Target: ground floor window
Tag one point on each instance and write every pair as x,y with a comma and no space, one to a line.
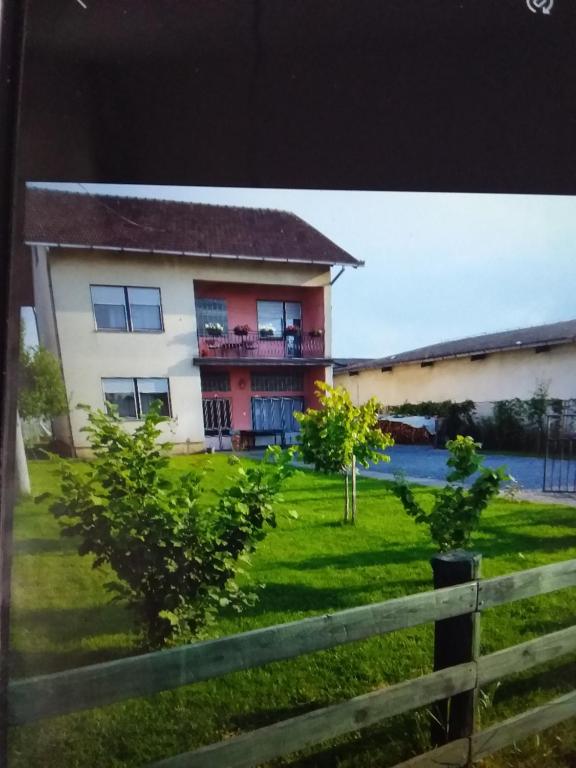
217,415
276,413
215,381
133,397
277,382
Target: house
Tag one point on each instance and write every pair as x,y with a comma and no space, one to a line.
486,368
221,313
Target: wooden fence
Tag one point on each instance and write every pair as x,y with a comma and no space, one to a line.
97,685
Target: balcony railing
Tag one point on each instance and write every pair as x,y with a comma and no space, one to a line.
306,344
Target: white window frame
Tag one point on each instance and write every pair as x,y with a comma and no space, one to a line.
136,390
127,312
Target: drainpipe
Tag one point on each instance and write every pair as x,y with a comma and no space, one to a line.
337,276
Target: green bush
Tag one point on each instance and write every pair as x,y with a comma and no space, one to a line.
456,511
176,563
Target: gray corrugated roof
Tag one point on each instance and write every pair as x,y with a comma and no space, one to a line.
344,362
535,336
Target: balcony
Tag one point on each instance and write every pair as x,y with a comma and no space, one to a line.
254,345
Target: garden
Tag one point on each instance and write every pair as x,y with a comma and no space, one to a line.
308,565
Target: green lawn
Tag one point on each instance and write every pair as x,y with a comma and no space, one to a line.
61,619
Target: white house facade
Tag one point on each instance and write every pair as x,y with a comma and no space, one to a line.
132,319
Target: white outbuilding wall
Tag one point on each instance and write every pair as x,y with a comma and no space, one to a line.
500,376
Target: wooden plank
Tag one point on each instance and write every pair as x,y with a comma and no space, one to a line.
287,736
526,655
451,755
100,684
536,581
520,727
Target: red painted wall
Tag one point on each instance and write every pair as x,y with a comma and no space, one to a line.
241,301
241,392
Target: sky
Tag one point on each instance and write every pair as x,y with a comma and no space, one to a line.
437,266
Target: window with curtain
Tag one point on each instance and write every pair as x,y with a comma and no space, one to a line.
144,305
109,304
124,308
133,397
150,390
122,394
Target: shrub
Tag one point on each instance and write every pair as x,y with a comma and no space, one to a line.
456,511
176,563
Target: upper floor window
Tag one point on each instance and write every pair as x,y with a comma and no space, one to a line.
123,308
133,397
211,314
274,317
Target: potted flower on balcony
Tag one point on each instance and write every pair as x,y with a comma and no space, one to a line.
316,333
266,331
242,330
213,329
292,330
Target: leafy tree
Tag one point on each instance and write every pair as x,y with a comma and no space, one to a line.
41,395
340,435
41,388
176,563
456,511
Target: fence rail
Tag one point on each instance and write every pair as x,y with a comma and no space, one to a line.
97,685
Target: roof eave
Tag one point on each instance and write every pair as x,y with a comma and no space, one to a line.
205,255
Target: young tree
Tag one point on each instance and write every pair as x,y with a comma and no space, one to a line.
41,388
41,395
175,561
341,435
456,511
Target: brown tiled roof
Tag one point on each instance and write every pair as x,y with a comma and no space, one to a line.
535,336
103,221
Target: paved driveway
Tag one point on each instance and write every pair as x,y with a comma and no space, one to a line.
420,461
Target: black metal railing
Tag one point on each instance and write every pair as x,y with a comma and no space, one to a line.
254,344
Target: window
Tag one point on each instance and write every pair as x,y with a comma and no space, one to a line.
145,314
133,397
217,415
121,308
215,381
275,316
277,382
109,308
211,311
121,393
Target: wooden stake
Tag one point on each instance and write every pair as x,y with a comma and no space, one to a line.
353,489
456,641
347,497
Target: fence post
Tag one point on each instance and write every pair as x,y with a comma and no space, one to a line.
456,641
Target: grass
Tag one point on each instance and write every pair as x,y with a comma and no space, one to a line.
61,619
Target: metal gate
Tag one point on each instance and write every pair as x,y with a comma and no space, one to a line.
217,414
560,456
